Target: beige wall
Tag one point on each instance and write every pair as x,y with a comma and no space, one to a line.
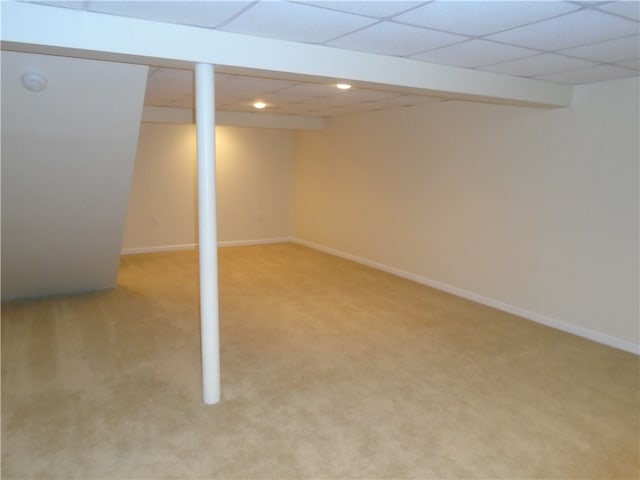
530,210
162,200
254,169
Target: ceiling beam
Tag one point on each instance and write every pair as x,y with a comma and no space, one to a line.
35,28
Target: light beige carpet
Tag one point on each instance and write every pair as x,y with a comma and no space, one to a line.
330,370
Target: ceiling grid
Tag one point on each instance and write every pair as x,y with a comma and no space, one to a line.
567,42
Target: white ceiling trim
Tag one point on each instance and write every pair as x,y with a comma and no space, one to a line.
43,29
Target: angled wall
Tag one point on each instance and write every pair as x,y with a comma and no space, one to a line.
67,158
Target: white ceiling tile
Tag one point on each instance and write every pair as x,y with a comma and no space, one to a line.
629,9
285,98
574,29
172,76
635,64
309,111
310,90
599,73
168,87
377,9
482,18
249,87
598,33
620,49
295,22
164,98
389,38
408,100
294,109
475,53
279,111
337,103
350,109
237,107
198,13
182,101
589,3
333,101
366,95
359,97
538,65
420,99
77,5
392,101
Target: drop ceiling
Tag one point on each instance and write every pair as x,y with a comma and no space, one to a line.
556,41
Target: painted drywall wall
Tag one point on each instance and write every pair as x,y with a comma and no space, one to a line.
535,210
254,183
162,205
254,180
67,158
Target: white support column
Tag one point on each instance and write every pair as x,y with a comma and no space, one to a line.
207,232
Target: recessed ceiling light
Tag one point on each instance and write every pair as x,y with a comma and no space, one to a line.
343,86
259,105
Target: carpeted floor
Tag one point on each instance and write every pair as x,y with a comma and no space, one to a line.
330,370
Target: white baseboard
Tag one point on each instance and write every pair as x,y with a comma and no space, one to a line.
191,246
527,314
261,241
161,248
